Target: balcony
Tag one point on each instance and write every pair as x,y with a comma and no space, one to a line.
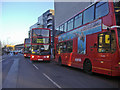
49,24
50,13
49,18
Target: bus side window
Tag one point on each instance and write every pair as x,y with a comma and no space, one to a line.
57,48
101,9
113,41
64,47
69,46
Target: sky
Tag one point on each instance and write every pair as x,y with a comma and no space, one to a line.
17,17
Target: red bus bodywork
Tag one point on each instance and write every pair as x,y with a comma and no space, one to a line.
42,57
103,63
27,55
27,52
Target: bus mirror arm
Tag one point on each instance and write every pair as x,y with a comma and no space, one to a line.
95,45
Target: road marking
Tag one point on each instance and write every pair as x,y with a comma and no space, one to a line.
51,80
2,60
11,79
35,66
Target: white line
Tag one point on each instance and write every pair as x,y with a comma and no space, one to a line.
2,60
35,66
51,80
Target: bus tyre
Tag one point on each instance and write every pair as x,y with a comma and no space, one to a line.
87,66
59,61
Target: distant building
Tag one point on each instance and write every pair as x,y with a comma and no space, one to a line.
10,47
40,22
7,49
33,26
19,47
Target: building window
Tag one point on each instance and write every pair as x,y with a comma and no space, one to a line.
51,33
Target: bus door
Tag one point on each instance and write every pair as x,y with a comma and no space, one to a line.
69,52
91,47
62,52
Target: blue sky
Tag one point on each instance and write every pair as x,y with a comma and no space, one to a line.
17,17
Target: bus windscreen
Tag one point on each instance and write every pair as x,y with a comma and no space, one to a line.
119,36
40,33
27,40
41,49
117,12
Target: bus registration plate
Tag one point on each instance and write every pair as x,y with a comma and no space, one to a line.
40,59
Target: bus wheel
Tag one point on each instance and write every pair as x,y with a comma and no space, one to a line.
59,61
87,66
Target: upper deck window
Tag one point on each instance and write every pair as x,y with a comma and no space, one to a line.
65,27
101,9
61,27
41,32
88,15
70,24
78,20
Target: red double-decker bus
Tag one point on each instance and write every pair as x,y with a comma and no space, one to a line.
40,44
92,39
27,46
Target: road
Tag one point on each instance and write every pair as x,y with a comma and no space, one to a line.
20,72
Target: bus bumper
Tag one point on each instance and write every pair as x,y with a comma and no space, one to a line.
40,57
116,70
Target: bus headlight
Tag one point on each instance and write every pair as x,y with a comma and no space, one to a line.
119,63
47,56
24,54
32,56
